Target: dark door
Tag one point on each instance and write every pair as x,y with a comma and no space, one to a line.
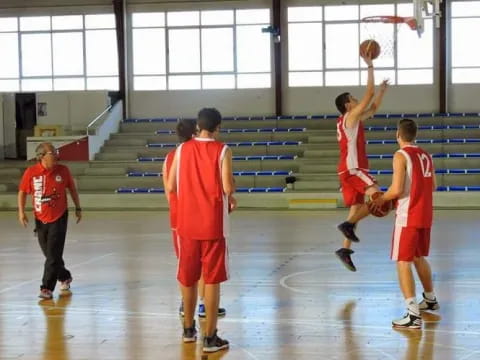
26,117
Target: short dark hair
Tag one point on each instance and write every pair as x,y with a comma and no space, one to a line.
186,128
209,119
341,101
407,130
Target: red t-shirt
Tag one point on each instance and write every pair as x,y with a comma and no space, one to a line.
172,197
48,190
415,205
202,212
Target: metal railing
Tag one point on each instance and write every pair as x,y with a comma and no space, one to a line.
98,118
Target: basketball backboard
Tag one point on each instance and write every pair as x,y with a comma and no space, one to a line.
422,9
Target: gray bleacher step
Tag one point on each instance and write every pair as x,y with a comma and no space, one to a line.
106,171
110,182
128,141
7,172
116,156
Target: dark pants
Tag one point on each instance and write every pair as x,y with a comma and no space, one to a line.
51,238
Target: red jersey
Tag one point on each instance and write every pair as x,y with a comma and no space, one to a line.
172,197
202,212
48,190
415,206
353,154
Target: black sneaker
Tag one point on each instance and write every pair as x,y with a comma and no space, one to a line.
348,230
344,255
427,304
214,343
202,312
190,334
409,321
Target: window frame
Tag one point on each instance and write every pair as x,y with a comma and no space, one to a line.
200,27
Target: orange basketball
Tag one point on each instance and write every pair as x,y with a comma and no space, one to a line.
383,210
370,47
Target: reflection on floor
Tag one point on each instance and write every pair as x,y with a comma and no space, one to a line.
288,297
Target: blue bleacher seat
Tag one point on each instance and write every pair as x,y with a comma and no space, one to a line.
235,173
236,158
125,190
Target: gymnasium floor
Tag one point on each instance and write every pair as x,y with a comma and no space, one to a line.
288,297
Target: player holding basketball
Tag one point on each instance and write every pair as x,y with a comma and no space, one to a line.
353,164
186,129
201,176
413,184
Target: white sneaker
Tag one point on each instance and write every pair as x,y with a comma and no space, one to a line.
65,285
409,321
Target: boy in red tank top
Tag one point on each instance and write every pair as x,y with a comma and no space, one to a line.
201,176
413,184
185,129
353,173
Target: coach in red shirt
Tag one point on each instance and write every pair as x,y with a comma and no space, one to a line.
47,182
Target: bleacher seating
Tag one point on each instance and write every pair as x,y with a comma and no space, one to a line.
267,149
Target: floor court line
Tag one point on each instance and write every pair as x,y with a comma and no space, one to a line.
4,290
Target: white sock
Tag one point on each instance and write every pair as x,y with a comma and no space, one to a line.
412,306
200,301
429,295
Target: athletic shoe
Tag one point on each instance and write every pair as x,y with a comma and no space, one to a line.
348,230
190,334
202,312
344,255
409,321
65,285
214,343
45,294
427,304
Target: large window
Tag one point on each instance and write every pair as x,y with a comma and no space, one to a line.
54,53
323,44
465,51
190,50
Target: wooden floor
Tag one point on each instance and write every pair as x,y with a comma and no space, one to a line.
288,297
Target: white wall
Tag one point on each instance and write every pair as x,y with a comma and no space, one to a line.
230,102
2,141
188,103
464,98
9,125
72,109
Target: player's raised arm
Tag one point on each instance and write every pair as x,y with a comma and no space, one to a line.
355,114
373,108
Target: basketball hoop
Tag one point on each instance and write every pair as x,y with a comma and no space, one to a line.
411,21
388,19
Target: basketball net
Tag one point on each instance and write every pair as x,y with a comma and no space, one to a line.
384,30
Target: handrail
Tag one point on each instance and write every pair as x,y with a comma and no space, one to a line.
98,118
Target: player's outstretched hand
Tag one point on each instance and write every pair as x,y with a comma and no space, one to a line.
384,85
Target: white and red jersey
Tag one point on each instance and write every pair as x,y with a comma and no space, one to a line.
172,197
415,205
353,154
202,207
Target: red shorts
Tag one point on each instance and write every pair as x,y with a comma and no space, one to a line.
354,183
207,257
175,240
409,242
